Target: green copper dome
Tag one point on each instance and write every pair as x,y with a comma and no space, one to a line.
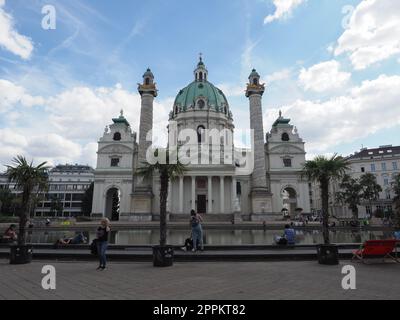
201,90
201,95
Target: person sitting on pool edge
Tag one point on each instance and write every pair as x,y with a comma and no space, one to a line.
78,239
10,235
288,238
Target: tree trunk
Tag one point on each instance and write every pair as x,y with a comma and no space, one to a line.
325,210
23,219
164,181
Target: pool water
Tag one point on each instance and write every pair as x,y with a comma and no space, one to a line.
215,237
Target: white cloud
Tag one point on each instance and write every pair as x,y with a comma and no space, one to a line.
278,76
232,90
324,76
344,119
11,95
373,33
284,9
10,39
72,122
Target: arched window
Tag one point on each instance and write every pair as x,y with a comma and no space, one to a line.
147,81
117,136
176,110
200,134
201,76
285,137
255,81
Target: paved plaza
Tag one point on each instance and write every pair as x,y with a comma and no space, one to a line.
199,281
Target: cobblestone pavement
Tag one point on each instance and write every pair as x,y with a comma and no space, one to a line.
199,281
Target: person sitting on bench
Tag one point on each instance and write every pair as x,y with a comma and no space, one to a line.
10,235
288,238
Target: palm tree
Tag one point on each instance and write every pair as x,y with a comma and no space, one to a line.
27,178
167,172
323,170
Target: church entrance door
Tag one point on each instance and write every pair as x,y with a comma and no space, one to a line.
201,204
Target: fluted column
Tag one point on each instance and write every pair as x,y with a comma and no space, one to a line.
193,193
234,191
222,192
181,194
209,194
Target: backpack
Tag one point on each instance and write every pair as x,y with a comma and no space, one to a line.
93,247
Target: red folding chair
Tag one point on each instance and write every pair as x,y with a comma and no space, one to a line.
376,249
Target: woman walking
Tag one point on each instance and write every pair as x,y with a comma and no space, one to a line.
102,242
197,230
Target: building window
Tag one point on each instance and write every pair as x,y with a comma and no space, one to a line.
368,210
373,168
362,169
117,136
385,181
255,81
394,165
287,163
285,137
238,188
200,134
201,104
383,166
147,81
114,162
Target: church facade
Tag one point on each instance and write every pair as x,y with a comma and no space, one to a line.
221,181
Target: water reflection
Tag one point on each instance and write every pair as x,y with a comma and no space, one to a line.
214,237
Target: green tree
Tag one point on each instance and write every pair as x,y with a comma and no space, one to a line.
167,171
354,191
396,200
28,178
323,170
56,206
370,186
6,202
87,201
350,194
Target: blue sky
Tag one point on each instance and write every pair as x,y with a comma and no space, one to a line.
334,72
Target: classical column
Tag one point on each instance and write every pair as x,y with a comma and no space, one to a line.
142,201
209,194
234,191
193,193
181,194
260,196
222,193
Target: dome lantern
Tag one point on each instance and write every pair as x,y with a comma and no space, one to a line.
201,73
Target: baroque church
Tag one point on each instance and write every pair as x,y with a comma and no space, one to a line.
257,185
